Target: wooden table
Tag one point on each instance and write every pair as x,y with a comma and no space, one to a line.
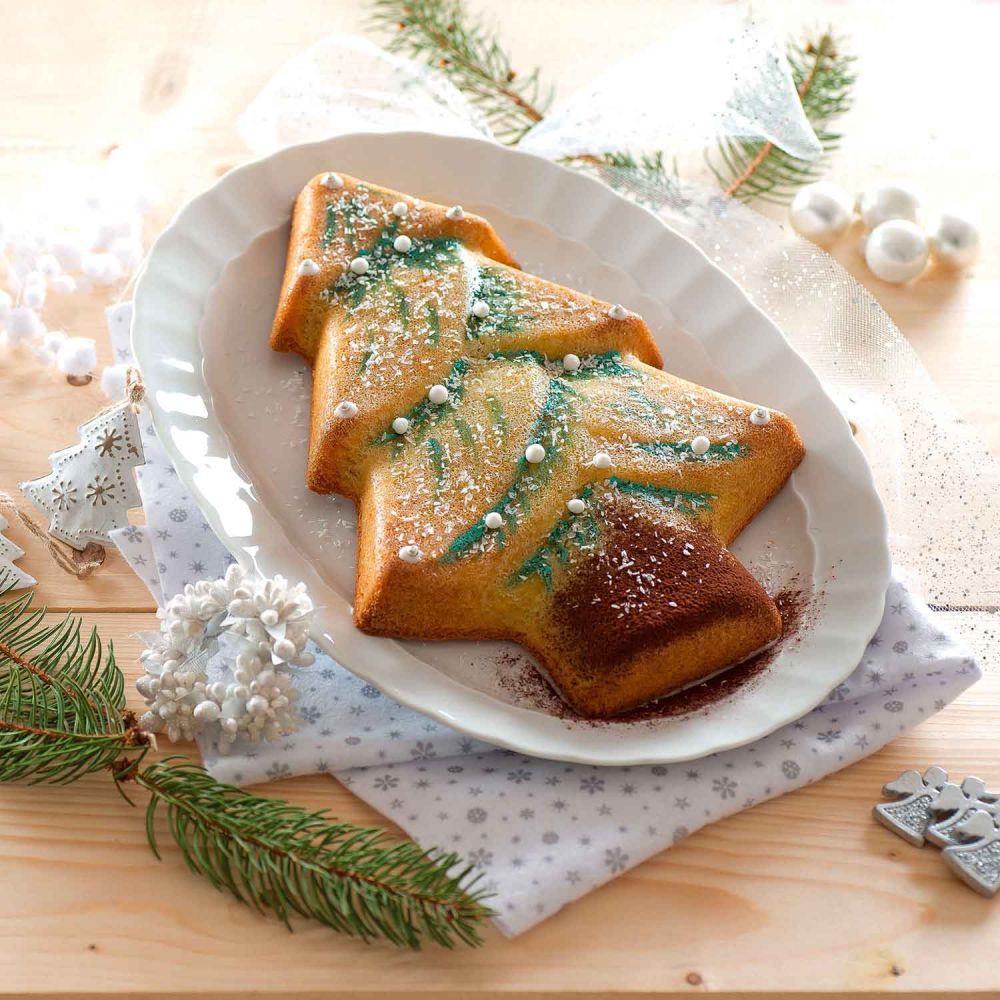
802,893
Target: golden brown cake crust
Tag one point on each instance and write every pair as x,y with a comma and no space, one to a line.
628,595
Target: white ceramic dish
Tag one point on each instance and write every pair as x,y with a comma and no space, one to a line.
232,416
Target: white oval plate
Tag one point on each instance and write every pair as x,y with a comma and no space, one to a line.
232,415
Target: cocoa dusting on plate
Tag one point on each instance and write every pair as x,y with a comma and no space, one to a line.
520,678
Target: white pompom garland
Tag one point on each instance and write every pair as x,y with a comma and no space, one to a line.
243,630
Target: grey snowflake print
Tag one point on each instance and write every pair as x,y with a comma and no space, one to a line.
829,736
894,706
616,859
900,647
679,834
519,776
476,815
310,714
279,769
480,857
386,781
370,691
790,769
178,514
591,784
725,787
550,837
423,751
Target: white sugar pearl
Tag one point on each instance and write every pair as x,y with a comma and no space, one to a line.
493,520
359,265
700,445
760,416
23,323
455,212
69,253
400,209
48,265
480,309
54,339
308,267
438,394
345,409
401,425
332,181
77,356
570,363
207,712
534,453
821,212
128,251
896,251
576,506
402,244
43,356
602,460
409,553
34,295
888,201
6,303
617,311
954,240
63,284
113,382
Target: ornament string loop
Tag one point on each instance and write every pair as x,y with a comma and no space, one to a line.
78,564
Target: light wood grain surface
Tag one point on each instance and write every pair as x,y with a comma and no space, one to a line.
802,894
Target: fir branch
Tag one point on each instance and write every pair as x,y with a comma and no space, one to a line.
751,168
63,715
444,35
272,855
62,701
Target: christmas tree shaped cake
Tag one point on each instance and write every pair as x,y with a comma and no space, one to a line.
523,468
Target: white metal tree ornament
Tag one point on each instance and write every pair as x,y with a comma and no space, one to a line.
11,577
91,486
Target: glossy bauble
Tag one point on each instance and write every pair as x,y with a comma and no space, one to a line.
896,251
821,212
888,201
954,240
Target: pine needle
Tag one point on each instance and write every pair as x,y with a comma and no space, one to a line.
442,34
752,168
276,856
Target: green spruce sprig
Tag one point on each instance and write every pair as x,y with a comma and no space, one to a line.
749,168
443,34
63,716
277,856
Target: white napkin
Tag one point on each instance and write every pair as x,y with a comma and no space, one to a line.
543,832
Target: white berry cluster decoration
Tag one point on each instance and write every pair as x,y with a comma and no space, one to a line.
83,229
896,245
223,657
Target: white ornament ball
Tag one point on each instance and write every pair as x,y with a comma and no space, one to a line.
402,244
77,356
480,309
23,324
113,381
576,506
700,445
438,394
570,363
534,453
359,265
954,240
401,425
821,212
602,460
888,201
493,520
896,251
345,409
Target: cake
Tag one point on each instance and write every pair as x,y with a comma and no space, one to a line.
522,465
